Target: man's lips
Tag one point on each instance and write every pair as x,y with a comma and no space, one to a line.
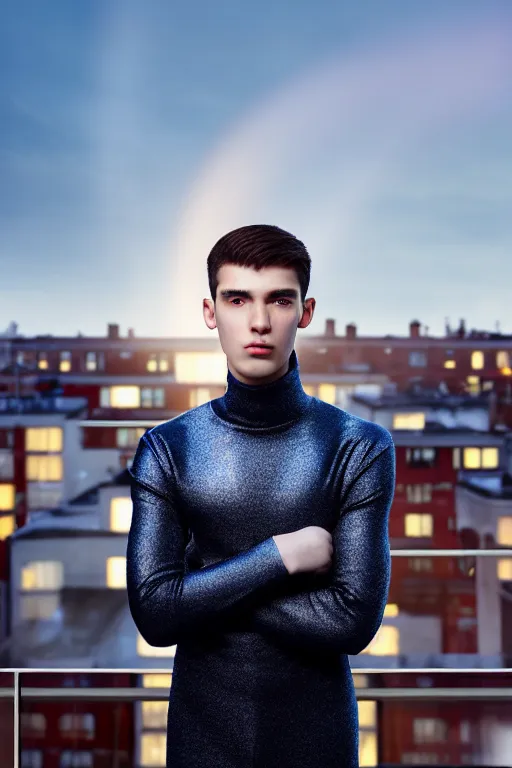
259,345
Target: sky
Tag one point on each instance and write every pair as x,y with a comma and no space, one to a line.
134,134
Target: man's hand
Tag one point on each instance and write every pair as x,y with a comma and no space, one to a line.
308,549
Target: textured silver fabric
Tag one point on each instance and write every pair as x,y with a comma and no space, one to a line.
261,676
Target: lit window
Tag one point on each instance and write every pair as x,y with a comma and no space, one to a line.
154,714
481,458
129,437
157,362
125,396
116,572
449,364
152,750
199,396
145,649
7,524
367,747
504,532
385,643
490,458
327,392
408,421
473,385
477,360
200,368
418,524
43,439
121,510
44,468
7,496
309,389
42,361
391,610
65,361
156,680
91,361
152,364
42,574
504,568
502,359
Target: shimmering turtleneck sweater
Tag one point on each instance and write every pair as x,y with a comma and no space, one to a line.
212,486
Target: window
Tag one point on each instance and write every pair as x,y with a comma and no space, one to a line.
157,362
386,642
156,680
116,572
200,367
456,458
417,359
121,510
39,607
7,496
420,493
327,392
43,439
6,465
7,526
91,361
421,457
503,359
152,397
477,360
145,649
408,421
42,574
199,396
154,714
65,361
391,610
129,437
481,458
429,730
504,568
152,749
450,364
367,717
31,758
418,524
76,758
121,396
419,564
77,725
44,468
33,724
42,361
504,532
473,385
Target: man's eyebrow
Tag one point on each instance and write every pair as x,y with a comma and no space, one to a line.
289,293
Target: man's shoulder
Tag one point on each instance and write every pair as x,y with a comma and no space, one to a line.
348,425
174,430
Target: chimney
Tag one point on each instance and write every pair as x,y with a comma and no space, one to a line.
414,329
351,330
131,333
330,327
113,331
461,330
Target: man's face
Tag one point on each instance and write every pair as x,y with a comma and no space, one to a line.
262,306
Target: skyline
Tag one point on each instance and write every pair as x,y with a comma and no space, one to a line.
401,120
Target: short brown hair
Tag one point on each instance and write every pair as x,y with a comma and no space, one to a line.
258,246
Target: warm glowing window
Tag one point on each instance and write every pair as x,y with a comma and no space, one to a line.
327,392
128,437
473,385
199,396
116,572
504,568
156,680
65,361
385,643
367,746
124,396
145,649
200,368
91,361
42,574
152,749
121,509
504,532
157,362
449,364
42,361
418,524
391,610
7,496
309,389
481,458
154,714
408,421
477,360
44,468
43,439
6,526
503,359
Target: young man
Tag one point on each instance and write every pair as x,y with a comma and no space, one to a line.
259,538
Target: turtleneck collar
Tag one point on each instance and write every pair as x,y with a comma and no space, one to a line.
275,404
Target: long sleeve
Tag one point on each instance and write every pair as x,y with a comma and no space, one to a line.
345,615
166,603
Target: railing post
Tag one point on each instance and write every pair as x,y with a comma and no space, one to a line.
17,719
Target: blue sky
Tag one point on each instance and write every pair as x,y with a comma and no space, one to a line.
133,135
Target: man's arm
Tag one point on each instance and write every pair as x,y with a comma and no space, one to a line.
345,615
166,604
